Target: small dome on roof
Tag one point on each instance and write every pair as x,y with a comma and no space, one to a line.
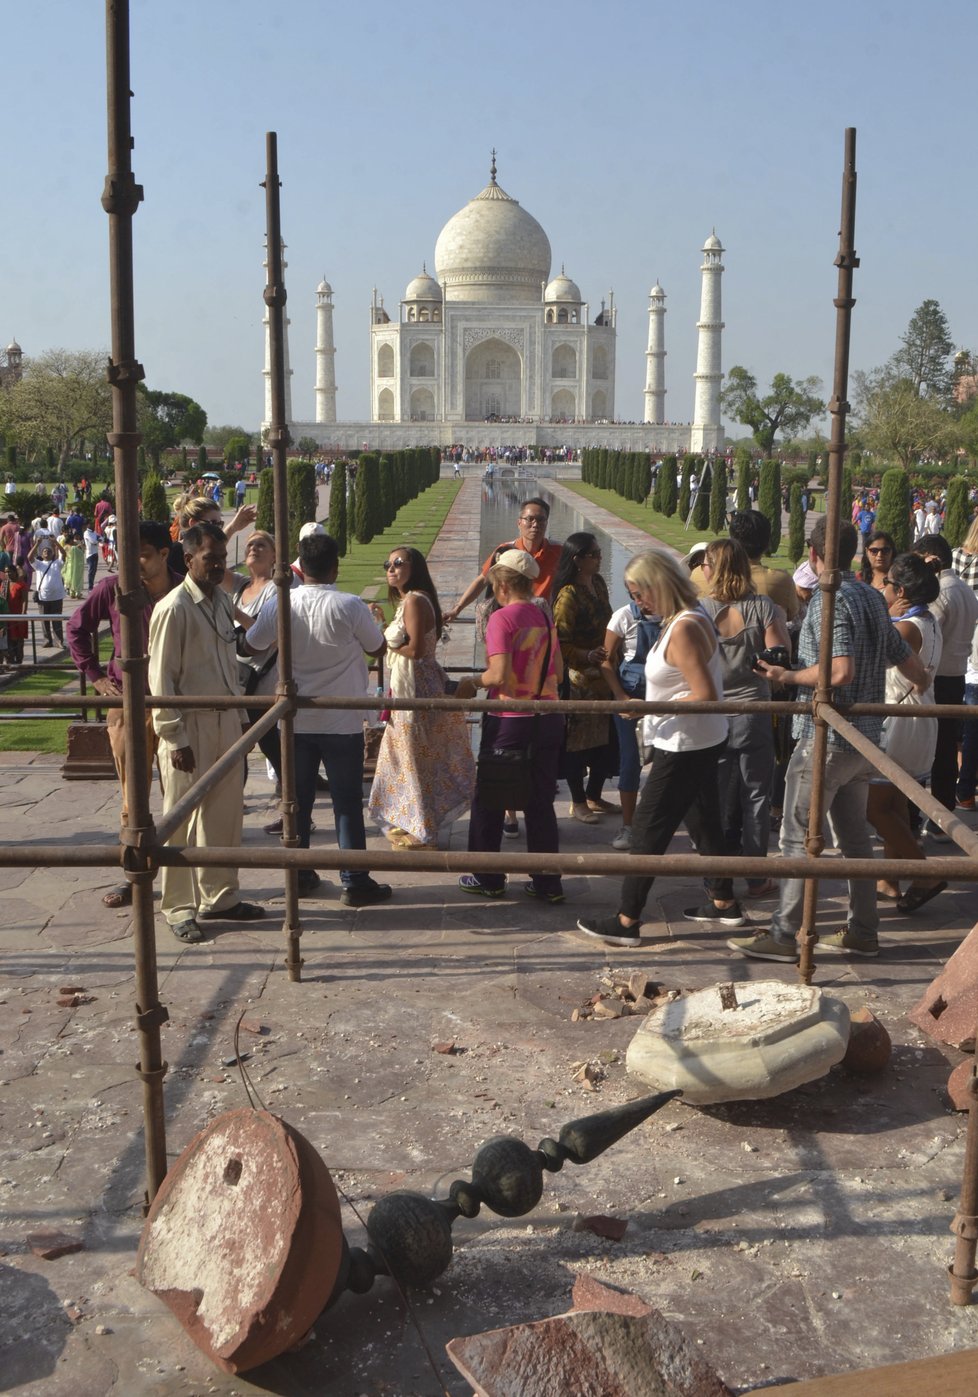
14,348
423,288
713,243
657,291
562,289
324,288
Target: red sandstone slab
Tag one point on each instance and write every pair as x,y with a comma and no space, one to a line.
50,1245
948,1008
590,1353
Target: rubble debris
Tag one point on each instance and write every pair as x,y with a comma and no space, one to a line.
49,1246
255,1026
946,1009
73,1000
611,1228
591,1294
959,1085
622,995
448,1049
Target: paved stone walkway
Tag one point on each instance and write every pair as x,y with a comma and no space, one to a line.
800,1236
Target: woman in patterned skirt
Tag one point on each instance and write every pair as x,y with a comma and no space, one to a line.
425,769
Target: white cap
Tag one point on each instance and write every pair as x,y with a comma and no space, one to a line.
695,555
308,530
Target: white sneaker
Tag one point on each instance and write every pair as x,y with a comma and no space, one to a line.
623,839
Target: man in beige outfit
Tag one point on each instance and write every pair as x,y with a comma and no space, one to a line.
192,651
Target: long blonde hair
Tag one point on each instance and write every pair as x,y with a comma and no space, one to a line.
660,574
731,580
970,544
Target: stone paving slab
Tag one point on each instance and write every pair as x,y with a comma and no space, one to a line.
795,1237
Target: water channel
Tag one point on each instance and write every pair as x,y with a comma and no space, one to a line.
501,502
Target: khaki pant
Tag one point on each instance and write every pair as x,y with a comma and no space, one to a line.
216,821
117,741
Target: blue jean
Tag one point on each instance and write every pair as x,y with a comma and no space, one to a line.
629,761
341,754
847,777
968,774
746,772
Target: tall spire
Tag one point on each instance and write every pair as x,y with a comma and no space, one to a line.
655,358
707,434
325,354
492,167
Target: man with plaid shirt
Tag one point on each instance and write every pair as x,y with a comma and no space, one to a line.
864,643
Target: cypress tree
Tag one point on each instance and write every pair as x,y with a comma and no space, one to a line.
769,500
957,511
796,525
201,459
893,511
718,495
743,463
657,489
265,518
153,498
183,457
387,508
11,458
644,477
337,525
669,490
141,458
684,488
701,509
366,511
301,477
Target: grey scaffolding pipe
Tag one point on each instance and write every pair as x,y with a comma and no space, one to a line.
142,849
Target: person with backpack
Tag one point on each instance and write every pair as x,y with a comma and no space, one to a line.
630,635
748,626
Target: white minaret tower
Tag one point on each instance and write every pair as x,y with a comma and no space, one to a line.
325,355
706,433
267,371
655,356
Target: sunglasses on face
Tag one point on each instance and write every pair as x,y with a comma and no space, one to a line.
393,563
528,519
873,552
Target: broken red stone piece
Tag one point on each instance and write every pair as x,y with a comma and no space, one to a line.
589,1351
254,1026
446,1048
72,989
612,1228
590,1294
243,1240
959,1085
869,1047
50,1245
946,1010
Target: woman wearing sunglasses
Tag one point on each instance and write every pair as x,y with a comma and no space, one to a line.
877,557
425,769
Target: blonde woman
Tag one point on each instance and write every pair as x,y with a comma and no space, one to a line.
964,560
683,666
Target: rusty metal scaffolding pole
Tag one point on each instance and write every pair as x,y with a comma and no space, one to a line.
278,440
120,199
964,1276
829,582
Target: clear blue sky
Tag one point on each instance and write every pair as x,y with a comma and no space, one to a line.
628,129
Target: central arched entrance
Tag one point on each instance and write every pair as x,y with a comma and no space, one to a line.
493,381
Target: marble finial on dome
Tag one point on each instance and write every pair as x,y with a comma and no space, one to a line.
492,167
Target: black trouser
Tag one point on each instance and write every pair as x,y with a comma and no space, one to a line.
53,608
270,746
681,786
948,688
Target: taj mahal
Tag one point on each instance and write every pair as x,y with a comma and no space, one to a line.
492,350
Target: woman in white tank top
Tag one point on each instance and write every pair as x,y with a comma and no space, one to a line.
684,665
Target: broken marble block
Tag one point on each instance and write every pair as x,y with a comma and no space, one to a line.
771,1038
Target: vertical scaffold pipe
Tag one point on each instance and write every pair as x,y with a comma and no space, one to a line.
278,440
846,261
120,199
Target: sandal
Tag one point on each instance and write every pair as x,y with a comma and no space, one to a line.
118,897
240,912
603,807
188,931
914,898
584,813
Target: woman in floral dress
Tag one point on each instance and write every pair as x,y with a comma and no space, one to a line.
425,769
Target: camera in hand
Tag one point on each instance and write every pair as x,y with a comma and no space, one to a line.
774,655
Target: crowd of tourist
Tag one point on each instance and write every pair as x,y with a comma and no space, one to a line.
719,623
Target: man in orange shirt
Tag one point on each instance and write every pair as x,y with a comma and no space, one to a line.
532,538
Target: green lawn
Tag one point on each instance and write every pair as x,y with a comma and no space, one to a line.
666,530
418,523
35,734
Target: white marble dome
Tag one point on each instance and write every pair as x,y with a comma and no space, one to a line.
563,289
713,243
324,289
493,251
423,288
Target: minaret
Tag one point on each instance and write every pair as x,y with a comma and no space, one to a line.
706,405
655,373
325,355
267,371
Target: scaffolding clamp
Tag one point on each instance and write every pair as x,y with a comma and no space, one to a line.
152,1018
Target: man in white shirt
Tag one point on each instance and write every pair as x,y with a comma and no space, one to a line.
192,651
91,554
331,630
956,610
